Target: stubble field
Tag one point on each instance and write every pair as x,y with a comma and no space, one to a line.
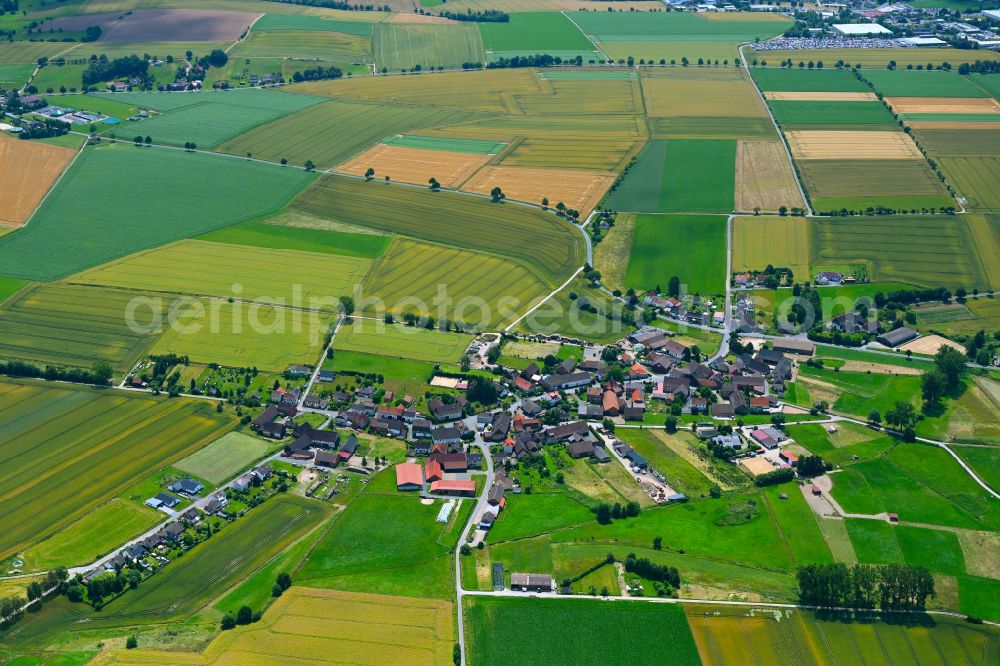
29,170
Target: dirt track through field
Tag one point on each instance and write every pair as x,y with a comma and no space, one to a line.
580,190
415,165
813,96
29,169
943,104
855,145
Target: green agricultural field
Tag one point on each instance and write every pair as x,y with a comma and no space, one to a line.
984,461
699,262
97,533
975,178
305,48
564,631
190,582
699,177
535,32
888,246
747,636
874,541
479,287
409,553
73,228
681,475
798,525
202,268
400,341
857,184
271,234
978,598
77,326
9,287
625,26
401,376
960,142
538,513
331,133
540,242
870,59
210,118
310,23
679,175
909,83
64,450
14,76
815,115
773,79
399,46
106,104
860,392
225,457
30,52
473,146
841,447
579,311
244,334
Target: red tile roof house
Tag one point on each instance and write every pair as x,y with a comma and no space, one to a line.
409,476
451,462
453,487
432,470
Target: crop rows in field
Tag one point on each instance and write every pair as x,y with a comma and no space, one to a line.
402,46
877,180
658,252
304,279
305,45
537,240
29,170
912,83
535,32
975,177
580,190
734,636
335,131
778,241
82,223
77,326
720,93
409,276
764,177
554,631
63,450
415,165
400,341
922,250
585,97
831,114
871,58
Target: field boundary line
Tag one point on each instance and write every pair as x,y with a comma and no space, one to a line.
52,187
539,304
586,36
246,35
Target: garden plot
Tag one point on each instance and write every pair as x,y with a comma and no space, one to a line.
580,190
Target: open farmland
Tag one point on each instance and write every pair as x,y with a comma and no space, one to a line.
738,636
66,449
202,268
562,631
472,91
868,58
764,177
816,96
944,105
301,45
699,262
192,581
536,32
977,178
195,25
713,93
398,340
537,240
244,334
797,80
851,145
333,132
795,114
15,75
910,83
580,190
642,27
414,165
904,185
699,176
778,241
225,457
210,118
400,46
478,288
118,192
76,326
587,96
290,231
344,23
29,170
564,313
353,626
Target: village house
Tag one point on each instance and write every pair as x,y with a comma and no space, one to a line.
409,476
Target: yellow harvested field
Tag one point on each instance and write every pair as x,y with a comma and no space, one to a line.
930,344
29,168
780,241
717,93
764,177
322,627
853,145
757,466
943,104
415,165
816,96
580,190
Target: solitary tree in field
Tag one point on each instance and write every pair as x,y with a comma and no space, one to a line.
149,140
369,173
497,195
138,140
435,185
545,203
387,180
249,155
283,161
309,165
